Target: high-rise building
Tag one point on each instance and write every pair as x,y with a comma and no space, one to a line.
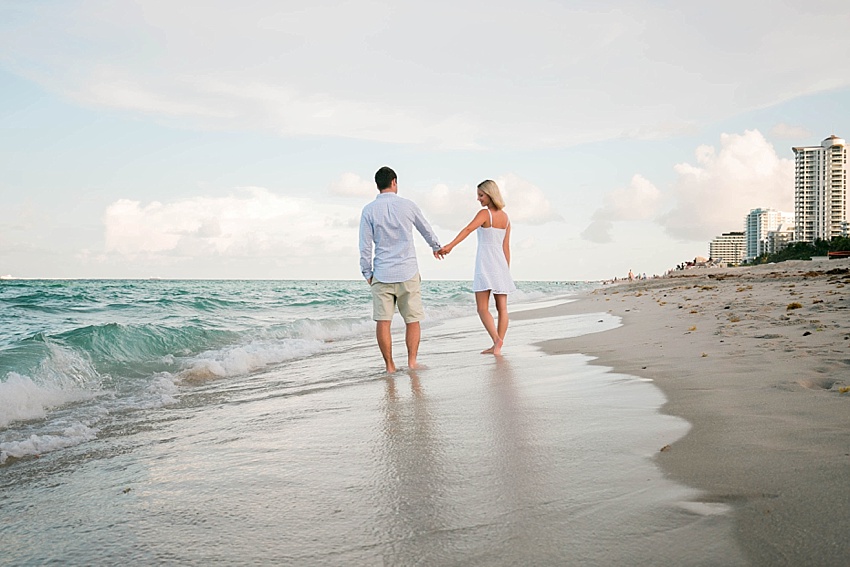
820,190
778,240
728,248
757,228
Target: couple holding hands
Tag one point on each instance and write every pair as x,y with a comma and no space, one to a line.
388,262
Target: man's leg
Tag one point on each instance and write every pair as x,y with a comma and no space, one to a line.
412,334
383,307
385,343
409,296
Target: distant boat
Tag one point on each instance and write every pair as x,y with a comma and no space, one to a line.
7,277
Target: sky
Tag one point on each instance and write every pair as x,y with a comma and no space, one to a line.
220,139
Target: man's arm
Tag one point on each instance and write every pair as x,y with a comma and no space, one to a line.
366,247
425,229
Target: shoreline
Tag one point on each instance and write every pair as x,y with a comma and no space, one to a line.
757,360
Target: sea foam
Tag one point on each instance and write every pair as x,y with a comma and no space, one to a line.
240,360
23,399
40,444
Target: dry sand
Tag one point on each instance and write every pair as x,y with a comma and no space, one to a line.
757,359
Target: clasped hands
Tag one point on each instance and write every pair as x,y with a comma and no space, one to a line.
441,253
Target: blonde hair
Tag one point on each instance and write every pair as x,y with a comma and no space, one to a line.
490,189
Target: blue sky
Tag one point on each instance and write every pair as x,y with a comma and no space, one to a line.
226,140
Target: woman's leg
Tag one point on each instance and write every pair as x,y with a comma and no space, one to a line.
482,302
501,300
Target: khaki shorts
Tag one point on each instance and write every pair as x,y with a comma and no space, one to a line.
407,295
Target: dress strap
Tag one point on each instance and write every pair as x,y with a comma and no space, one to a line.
489,212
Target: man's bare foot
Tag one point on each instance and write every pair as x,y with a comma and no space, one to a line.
391,368
495,349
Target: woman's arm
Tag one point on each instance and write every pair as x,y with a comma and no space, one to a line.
506,245
479,220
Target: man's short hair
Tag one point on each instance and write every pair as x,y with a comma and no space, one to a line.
384,178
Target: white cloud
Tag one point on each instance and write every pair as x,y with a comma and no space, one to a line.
525,202
352,185
638,201
368,70
286,234
707,198
454,207
599,230
254,222
788,132
449,207
237,103
715,195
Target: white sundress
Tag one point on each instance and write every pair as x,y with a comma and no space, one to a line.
491,267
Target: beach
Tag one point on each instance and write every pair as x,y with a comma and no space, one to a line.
251,423
757,359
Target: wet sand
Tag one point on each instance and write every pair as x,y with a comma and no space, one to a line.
758,361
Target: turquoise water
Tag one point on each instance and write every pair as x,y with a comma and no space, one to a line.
75,352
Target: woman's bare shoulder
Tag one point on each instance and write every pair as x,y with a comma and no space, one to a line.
481,217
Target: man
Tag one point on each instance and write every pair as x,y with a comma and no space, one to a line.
386,227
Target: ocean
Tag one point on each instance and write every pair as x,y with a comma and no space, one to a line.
250,422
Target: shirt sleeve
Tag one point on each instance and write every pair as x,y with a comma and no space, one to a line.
366,247
424,228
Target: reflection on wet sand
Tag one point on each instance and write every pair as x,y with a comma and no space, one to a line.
513,448
520,467
413,503
478,475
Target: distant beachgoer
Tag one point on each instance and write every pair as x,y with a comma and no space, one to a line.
492,261
631,276
388,262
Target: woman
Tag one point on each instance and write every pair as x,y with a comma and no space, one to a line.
492,261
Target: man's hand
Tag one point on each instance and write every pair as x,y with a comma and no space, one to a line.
369,281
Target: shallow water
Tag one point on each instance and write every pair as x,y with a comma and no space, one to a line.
322,459
74,353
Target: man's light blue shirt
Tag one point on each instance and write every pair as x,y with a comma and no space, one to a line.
386,227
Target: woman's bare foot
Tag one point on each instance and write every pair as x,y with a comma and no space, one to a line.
495,349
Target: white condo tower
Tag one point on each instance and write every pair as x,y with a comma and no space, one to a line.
820,190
